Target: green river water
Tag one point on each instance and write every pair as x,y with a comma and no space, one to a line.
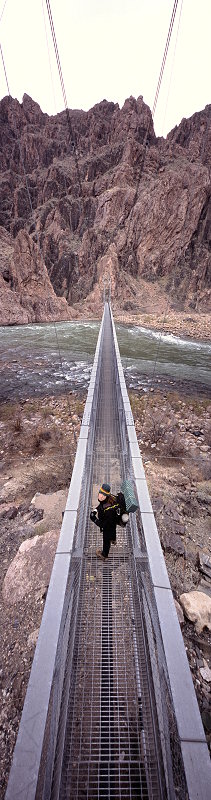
39,359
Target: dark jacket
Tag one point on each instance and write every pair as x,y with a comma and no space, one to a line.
105,517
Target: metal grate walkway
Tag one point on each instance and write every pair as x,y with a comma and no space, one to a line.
110,749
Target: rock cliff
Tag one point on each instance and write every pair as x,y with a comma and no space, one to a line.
139,211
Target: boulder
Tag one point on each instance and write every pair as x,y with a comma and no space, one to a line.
197,608
172,521
206,719
8,511
52,505
179,612
204,586
31,568
32,638
206,673
204,563
172,543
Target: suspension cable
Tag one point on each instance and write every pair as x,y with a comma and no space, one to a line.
172,67
4,68
71,133
49,58
17,137
149,121
164,56
122,225
3,9
155,360
36,234
130,212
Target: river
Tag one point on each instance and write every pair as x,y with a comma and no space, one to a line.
47,358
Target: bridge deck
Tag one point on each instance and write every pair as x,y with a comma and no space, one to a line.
107,752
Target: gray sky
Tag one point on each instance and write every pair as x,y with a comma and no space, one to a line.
109,49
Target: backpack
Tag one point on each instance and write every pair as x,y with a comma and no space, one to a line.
121,513
131,504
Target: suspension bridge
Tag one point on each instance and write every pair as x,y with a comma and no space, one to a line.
110,710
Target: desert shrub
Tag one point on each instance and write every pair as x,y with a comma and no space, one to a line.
174,400
154,426
46,411
18,424
40,434
137,405
8,411
174,444
45,435
207,437
36,441
78,408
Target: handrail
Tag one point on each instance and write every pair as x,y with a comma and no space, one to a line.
191,733
37,721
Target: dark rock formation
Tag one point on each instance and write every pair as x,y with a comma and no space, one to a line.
27,294
140,210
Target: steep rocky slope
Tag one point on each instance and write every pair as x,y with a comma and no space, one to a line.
138,213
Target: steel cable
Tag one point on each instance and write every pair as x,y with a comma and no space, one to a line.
122,225
172,67
49,59
37,239
164,56
153,114
71,134
3,9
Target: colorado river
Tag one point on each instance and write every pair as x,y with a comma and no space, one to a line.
40,359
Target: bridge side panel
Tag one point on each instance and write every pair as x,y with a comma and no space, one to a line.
31,772
178,676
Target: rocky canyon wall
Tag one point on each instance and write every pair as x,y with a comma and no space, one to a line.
141,210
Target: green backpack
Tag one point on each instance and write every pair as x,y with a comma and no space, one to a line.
130,500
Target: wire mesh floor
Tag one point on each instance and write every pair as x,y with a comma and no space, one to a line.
109,752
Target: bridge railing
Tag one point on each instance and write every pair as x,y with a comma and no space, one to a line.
33,759
185,753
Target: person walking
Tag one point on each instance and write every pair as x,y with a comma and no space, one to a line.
105,517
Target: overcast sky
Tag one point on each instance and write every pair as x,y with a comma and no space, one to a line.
108,49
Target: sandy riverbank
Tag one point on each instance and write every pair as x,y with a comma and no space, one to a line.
153,308
188,325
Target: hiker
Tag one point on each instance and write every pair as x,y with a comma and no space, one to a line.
105,517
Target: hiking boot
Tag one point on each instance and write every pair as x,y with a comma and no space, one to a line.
100,555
